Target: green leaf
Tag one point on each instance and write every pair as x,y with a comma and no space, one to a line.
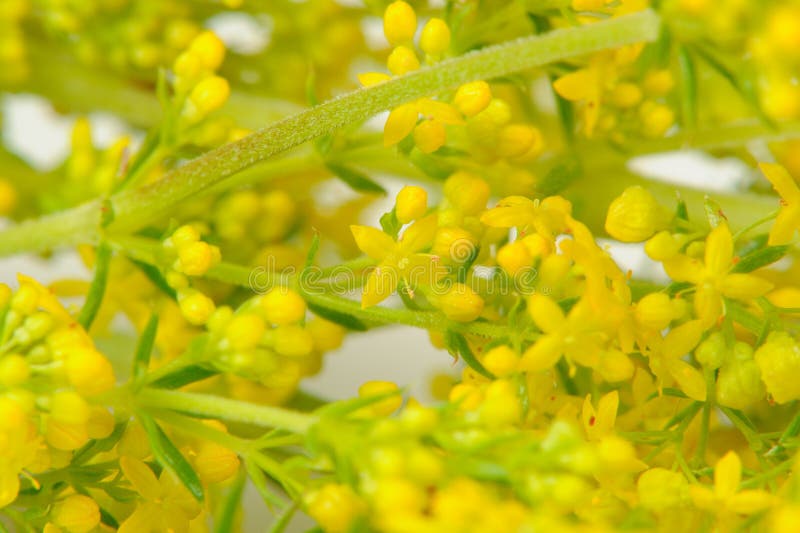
282,521
170,457
566,170
184,376
336,317
714,212
154,275
760,258
98,287
261,483
457,344
226,511
389,223
430,165
688,88
566,115
357,181
93,447
144,349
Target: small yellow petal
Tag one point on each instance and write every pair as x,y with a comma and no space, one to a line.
786,224
543,354
727,475
141,477
682,339
381,283
372,78
689,379
372,241
546,313
781,181
719,250
419,235
578,85
744,286
399,124
440,111
510,212
750,501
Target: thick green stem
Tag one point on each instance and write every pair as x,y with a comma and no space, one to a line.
132,209
206,405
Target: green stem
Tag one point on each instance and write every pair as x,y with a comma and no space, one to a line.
134,208
206,405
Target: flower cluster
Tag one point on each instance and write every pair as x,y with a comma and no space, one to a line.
623,351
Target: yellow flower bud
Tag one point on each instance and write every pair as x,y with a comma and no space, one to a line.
659,82
209,49
8,197
500,406
183,236
215,463
386,406
626,95
209,95
739,384
429,136
88,371
712,352
501,360
656,119
76,513
454,244
467,192
399,23
662,246
334,506
195,306
516,140
655,311
615,365
245,331
69,407
283,306
472,98
327,335
635,215
14,370
194,259
779,362
435,37
660,489
402,60
293,341
461,303
514,257
100,423
397,496
412,202
64,435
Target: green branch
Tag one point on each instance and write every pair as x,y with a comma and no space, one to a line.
132,209
209,406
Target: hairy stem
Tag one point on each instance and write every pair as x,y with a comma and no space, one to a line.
131,209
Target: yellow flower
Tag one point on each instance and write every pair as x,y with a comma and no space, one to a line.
713,277
402,120
635,216
600,423
779,362
165,503
573,336
726,496
547,217
788,220
399,260
665,359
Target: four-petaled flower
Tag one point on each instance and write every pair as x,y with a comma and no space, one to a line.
726,496
713,277
398,260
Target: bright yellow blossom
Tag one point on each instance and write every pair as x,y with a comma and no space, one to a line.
726,497
788,221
